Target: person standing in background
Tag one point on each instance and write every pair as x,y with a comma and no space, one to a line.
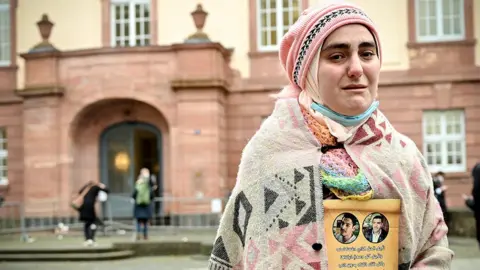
439,188
475,206
143,197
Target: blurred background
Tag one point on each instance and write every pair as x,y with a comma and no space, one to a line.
95,90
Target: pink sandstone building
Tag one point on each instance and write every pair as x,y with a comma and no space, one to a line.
181,109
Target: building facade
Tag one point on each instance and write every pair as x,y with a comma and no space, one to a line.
97,89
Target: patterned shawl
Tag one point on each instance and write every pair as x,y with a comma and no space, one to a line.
275,212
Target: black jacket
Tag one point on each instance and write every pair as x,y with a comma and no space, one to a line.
87,210
369,235
476,189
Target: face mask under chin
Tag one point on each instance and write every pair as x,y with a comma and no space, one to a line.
345,120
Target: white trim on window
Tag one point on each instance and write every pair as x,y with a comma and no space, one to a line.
437,20
5,42
444,145
133,22
282,24
3,157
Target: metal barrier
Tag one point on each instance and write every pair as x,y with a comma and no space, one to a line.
116,214
35,216
169,213
12,218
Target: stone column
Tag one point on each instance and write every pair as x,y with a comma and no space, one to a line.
201,84
41,127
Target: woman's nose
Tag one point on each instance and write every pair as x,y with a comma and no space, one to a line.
355,69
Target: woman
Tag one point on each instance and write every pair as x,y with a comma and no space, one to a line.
326,128
87,210
143,198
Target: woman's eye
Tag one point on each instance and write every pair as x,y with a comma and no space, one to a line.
368,54
336,57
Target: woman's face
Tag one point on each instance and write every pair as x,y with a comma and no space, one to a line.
348,70
144,172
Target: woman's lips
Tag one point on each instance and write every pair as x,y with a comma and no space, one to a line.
355,87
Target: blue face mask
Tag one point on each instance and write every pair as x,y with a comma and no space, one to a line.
345,120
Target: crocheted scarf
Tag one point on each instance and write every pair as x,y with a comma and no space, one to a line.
340,175
275,212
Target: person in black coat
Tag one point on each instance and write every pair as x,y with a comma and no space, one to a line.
87,210
472,201
439,189
476,198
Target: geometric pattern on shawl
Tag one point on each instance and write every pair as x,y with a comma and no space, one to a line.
407,178
290,244
268,222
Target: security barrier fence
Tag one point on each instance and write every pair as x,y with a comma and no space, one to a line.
115,215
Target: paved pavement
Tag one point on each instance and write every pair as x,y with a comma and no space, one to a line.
145,263
156,263
466,250
49,241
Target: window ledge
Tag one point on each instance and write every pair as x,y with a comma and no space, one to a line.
458,176
8,68
260,54
465,42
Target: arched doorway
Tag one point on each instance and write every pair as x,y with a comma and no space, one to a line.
125,148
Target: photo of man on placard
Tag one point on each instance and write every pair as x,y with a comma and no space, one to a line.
347,228
375,228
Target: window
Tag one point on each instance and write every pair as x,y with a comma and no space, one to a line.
3,157
274,18
439,20
444,140
5,33
130,21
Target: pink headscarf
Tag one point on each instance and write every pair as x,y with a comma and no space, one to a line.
302,43
300,52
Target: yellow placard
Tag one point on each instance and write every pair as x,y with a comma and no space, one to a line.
362,234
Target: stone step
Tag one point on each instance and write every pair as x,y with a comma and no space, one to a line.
84,256
53,250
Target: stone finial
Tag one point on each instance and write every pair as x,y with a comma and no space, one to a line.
199,16
45,28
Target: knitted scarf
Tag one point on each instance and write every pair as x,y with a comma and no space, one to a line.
341,177
275,212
